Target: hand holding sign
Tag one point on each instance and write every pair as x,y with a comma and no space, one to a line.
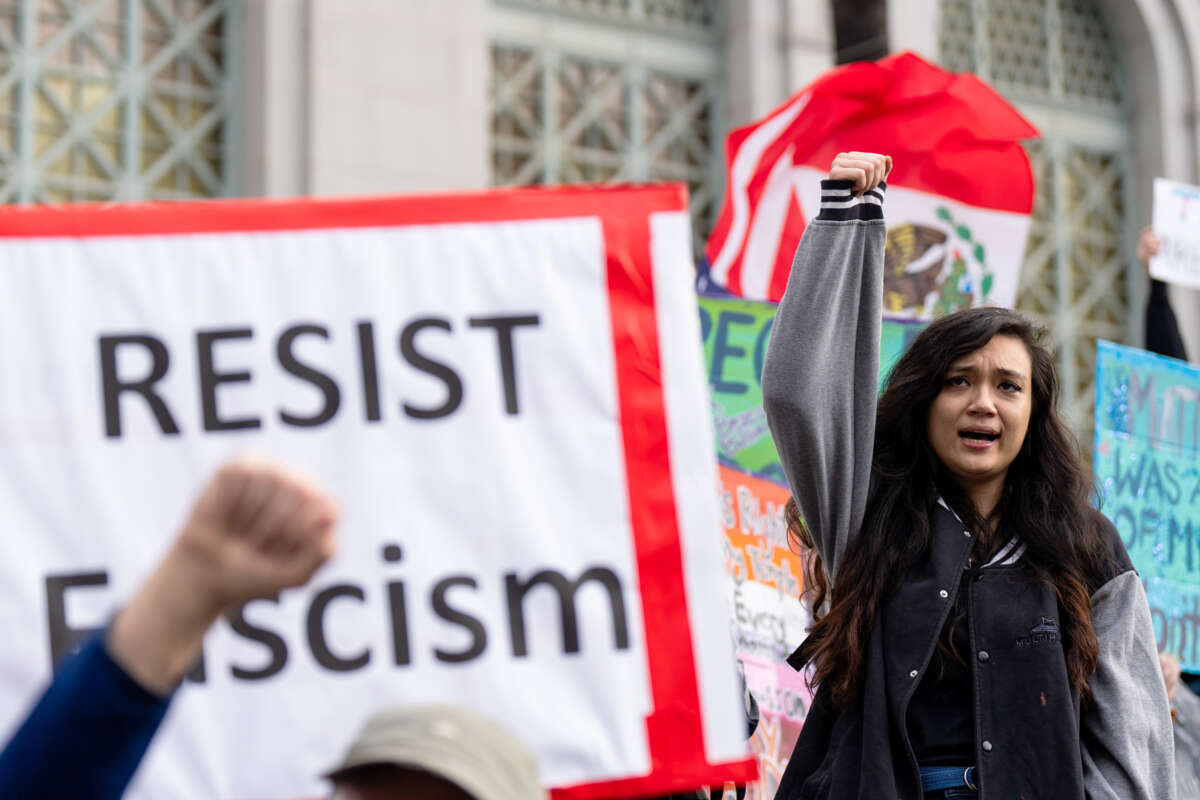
256,529
1148,245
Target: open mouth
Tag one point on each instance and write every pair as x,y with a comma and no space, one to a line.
979,437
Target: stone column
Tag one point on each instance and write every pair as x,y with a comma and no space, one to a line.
362,97
915,25
772,49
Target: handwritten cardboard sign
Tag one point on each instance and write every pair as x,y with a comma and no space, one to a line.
1147,458
735,333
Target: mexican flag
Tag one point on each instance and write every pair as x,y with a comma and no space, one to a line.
959,200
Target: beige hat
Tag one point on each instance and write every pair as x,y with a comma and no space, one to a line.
478,756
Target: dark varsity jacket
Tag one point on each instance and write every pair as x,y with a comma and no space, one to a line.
1032,737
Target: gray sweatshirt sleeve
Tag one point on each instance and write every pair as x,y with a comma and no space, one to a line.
1187,742
821,373
1125,736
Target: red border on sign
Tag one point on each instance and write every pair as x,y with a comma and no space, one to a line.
674,729
257,215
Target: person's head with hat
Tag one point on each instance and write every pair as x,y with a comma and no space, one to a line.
437,752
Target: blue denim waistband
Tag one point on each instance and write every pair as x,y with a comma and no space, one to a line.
934,778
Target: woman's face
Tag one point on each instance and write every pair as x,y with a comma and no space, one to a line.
977,423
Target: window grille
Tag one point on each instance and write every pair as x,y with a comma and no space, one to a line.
115,99
688,17
608,91
1055,61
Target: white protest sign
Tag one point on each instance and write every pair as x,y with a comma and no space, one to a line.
505,391
1177,223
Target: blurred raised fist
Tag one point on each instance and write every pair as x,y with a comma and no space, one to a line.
256,529
866,170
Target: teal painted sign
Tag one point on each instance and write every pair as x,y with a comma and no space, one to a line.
735,335
1147,458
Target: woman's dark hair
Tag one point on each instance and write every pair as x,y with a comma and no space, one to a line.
800,542
1045,501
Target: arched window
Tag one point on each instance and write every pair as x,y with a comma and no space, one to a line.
606,91
114,99
1055,60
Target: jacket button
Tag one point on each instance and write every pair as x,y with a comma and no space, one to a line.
912,674
967,534
943,594
987,746
983,655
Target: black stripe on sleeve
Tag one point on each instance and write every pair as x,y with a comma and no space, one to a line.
838,202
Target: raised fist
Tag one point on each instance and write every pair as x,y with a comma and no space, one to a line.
256,529
867,170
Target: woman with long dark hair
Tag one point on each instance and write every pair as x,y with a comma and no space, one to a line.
982,631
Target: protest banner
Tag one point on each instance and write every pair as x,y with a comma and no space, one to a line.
1176,221
1147,459
735,334
959,199
765,579
504,390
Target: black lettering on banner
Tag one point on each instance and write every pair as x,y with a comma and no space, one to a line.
63,637
504,327
315,626
516,590
370,372
274,643
293,366
401,653
210,379
112,386
454,385
458,617
197,674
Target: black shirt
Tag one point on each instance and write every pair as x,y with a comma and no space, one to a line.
940,719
